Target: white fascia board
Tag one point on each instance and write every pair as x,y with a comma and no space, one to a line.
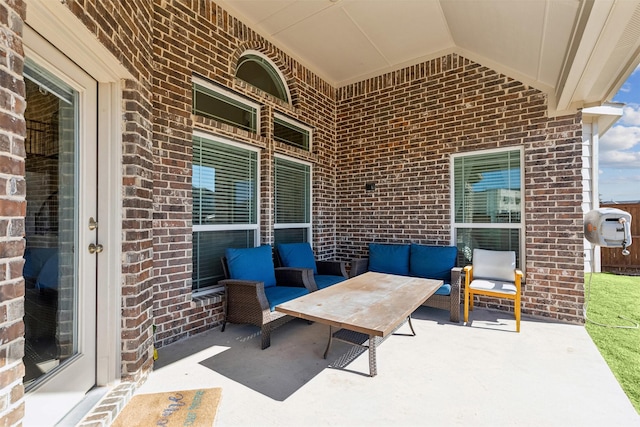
587,77
587,31
605,115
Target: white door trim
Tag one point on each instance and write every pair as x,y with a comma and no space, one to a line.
58,26
108,363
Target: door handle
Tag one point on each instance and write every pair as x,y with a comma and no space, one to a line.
93,224
95,249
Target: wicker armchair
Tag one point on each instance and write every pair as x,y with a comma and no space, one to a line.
421,261
253,301
300,255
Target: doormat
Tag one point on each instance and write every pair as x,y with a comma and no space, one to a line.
193,408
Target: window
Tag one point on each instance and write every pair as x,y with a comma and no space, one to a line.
259,71
488,208
291,132
224,106
292,201
225,204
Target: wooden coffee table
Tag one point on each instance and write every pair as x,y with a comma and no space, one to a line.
364,308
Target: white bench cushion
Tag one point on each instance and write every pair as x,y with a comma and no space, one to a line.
493,285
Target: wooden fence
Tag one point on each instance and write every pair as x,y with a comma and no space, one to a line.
611,259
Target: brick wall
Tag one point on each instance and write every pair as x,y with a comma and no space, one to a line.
399,131
201,38
13,211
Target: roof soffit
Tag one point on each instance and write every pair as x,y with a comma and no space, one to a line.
575,51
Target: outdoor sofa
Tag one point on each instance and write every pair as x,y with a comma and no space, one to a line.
426,261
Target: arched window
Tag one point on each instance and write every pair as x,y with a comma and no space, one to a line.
259,71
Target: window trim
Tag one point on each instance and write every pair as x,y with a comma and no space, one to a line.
247,102
294,123
287,225
230,227
517,226
283,81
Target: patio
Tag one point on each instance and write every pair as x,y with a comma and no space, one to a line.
387,101
549,374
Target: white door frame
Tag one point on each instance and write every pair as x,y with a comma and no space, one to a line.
69,381
54,22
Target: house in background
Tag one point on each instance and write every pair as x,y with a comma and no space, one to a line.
139,139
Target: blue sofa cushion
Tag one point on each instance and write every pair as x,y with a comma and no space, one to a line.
48,276
252,264
279,294
389,258
35,259
324,281
433,262
298,255
444,290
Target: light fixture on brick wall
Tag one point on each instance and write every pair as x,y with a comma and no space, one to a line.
370,186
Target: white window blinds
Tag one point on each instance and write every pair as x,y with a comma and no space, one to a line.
225,206
292,200
224,183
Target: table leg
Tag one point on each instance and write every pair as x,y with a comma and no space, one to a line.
373,368
411,326
329,343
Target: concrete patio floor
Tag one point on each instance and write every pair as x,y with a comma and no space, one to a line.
550,374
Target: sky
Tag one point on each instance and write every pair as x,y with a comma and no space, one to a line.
619,174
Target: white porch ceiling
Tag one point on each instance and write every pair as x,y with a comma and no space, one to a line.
579,52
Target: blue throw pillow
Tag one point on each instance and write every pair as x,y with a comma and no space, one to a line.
433,262
389,258
252,264
298,255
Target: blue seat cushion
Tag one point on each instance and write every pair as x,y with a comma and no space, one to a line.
252,264
443,290
298,255
433,262
389,258
35,259
279,294
324,281
48,276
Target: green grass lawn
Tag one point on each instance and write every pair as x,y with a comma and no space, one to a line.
613,296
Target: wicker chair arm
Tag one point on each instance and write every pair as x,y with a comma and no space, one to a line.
456,278
298,277
247,291
332,268
358,266
242,283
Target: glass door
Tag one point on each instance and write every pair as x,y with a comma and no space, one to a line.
60,255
